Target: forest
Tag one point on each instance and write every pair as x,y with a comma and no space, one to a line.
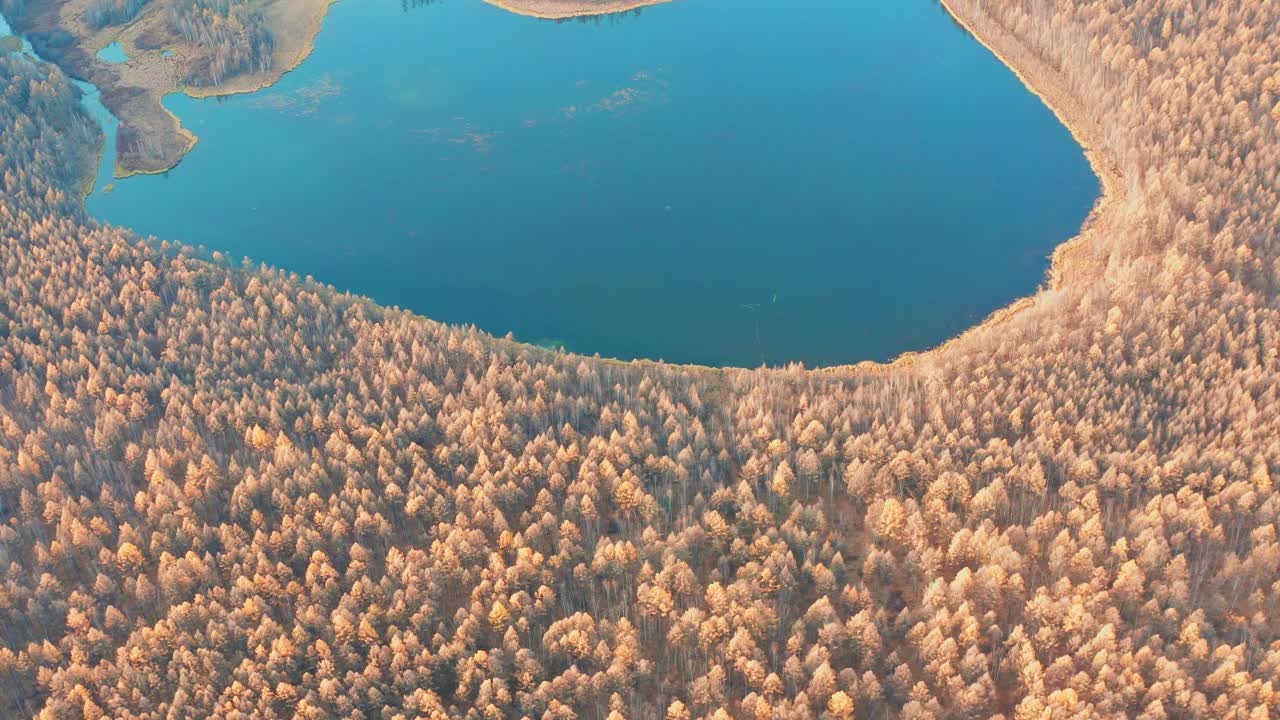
235,37
227,491
102,13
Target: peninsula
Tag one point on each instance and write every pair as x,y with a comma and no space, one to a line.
204,48
200,47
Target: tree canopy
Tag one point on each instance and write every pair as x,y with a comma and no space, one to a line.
230,492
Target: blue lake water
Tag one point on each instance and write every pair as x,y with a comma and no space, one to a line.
113,53
712,181
10,43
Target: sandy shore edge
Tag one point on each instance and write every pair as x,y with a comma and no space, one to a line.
119,171
1041,80
1068,257
315,23
245,85
577,11
250,84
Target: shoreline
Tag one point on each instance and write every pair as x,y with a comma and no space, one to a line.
576,10
1066,262
1041,81
1066,109
119,172
1048,85
315,24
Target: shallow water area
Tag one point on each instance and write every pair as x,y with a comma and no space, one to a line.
712,181
10,42
113,53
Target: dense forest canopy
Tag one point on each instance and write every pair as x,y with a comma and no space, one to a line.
230,492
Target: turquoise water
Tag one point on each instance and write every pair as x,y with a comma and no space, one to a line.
711,181
10,43
113,53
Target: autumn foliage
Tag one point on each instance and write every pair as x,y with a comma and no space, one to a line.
227,492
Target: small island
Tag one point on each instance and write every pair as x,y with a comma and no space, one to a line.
563,9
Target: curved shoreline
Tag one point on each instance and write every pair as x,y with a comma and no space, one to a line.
1048,85
1067,260
575,10
1045,83
119,172
1041,81
315,24
247,84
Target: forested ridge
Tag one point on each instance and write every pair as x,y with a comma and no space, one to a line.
230,492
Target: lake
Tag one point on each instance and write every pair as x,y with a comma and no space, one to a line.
113,53
727,182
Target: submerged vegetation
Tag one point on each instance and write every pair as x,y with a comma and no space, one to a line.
201,47
230,492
